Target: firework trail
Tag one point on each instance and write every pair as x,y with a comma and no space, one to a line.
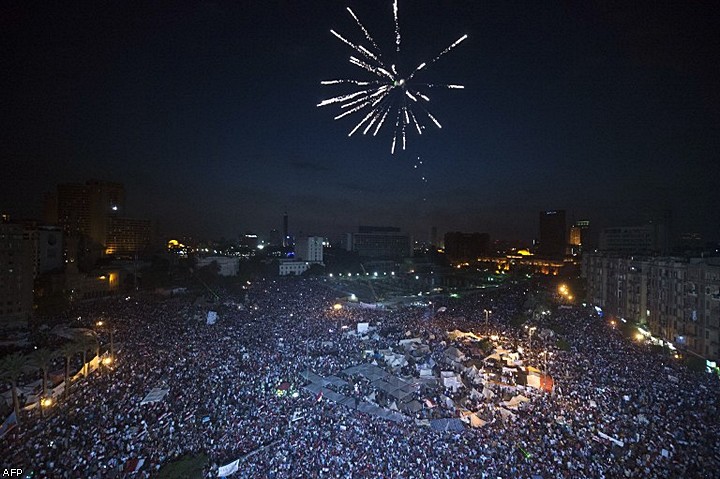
390,93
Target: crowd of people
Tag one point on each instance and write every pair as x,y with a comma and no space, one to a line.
618,409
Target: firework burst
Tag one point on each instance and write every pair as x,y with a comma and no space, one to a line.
389,95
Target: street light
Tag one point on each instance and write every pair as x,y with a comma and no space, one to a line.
44,403
487,312
111,331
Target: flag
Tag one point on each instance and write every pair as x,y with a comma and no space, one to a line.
228,469
8,424
319,397
525,453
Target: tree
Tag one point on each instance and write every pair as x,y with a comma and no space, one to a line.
11,367
42,359
68,350
315,269
85,342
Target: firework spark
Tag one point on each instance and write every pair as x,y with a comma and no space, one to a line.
390,93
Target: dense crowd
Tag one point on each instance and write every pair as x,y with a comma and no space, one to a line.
225,398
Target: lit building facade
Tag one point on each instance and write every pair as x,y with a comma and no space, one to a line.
127,236
289,267
311,249
678,299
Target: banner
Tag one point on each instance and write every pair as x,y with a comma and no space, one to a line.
611,439
8,424
228,469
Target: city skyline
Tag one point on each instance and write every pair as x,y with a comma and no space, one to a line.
206,113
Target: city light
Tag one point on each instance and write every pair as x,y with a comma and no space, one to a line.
337,306
107,361
46,402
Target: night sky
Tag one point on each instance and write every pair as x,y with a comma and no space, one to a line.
206,112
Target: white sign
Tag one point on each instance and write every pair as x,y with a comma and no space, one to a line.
611,439
228,469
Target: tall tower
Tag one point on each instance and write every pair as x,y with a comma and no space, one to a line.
286,238
553,241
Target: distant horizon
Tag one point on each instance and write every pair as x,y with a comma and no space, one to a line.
308,226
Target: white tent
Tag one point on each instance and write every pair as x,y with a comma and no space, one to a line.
455,354
506,414
451,380
471,418
516,401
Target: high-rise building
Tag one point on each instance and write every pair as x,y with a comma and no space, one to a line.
16,275
275,238
106,201
310,249
434,236
48,246
286,234
579,236
385,242
92,218
553,234
679,299
633,239
466,246
127,236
